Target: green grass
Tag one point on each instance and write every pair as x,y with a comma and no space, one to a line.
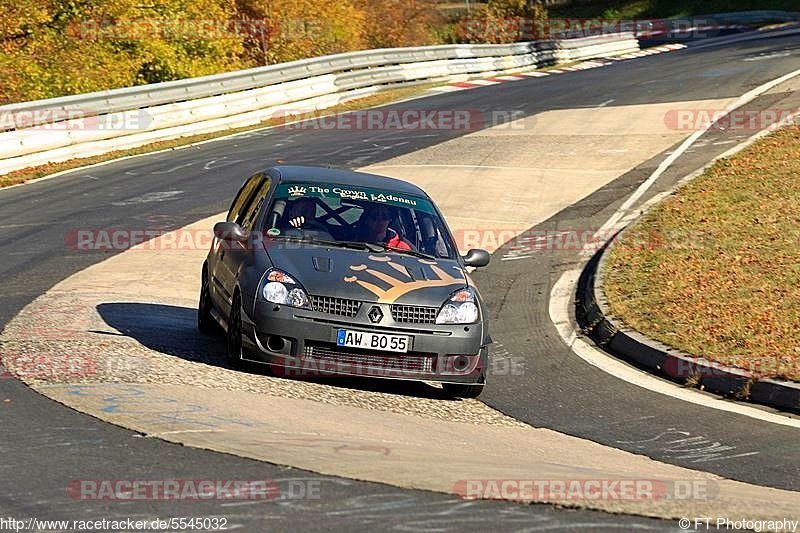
32,173
628,9
714,270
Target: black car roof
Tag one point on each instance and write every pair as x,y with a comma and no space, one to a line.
347,177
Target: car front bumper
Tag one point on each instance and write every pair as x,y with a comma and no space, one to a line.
302,343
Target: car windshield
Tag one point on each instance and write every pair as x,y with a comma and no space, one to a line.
346,215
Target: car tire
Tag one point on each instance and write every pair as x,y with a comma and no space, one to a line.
205,321
454,390
233,338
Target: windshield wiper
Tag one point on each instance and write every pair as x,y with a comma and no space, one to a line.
373,247
415,253
290,238
357,245
377,247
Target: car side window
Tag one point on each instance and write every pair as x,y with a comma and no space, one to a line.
433,236
243,199
249,217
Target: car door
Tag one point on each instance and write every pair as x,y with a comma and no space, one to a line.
222,281
237,253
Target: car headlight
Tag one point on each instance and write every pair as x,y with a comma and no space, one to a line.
460,308
281,288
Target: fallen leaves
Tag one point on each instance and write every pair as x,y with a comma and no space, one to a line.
735,298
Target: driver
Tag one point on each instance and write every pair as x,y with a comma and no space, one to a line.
302,212
375,228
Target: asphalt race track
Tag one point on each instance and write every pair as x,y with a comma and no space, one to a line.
45,445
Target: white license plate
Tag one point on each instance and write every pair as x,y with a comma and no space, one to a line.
373,341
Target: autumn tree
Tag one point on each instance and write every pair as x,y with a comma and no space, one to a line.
503,21
53,48
393,23
57,47
295,29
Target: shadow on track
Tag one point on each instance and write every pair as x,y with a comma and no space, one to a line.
172,330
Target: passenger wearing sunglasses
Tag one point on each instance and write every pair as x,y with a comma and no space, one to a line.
373,226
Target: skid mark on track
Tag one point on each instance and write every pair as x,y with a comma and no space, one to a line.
683,445
150,197
180,418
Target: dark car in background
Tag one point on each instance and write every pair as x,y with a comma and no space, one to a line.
322,272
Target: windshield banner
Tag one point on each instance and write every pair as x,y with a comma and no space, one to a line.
349,192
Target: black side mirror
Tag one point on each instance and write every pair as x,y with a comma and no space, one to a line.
229,232
477,258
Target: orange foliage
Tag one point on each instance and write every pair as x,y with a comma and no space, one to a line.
390,23
52,48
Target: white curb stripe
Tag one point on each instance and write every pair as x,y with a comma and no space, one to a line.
643,188
561,298
448,89
563,292
482,82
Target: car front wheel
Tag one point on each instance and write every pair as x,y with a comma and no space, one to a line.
234,335
205,322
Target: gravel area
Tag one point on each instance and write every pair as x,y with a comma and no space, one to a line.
74,337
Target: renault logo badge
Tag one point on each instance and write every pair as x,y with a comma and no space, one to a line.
375,315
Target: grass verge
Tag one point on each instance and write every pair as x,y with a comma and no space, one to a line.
714,270
32,173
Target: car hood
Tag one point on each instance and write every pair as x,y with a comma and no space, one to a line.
369,277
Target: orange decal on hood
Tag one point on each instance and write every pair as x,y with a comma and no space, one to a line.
397,286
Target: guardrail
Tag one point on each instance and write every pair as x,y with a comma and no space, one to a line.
59,129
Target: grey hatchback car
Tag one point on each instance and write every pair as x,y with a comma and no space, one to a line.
323,272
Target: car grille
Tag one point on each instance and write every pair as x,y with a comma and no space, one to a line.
355,361
414,314
335,306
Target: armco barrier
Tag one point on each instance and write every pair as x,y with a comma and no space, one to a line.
212,103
